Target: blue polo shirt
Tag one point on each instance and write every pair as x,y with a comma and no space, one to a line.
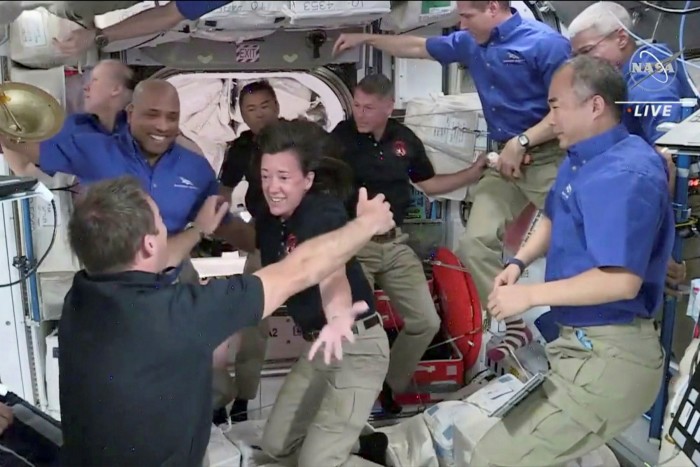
179,182
193,10
610,207
669,85
511,72
82,123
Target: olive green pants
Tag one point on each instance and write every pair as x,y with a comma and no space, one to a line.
321,409
248,358
497,202
395,267
589,397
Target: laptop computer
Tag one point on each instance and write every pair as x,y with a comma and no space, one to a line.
12,185
684,137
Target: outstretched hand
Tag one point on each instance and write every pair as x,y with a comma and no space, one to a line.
77,42
332,334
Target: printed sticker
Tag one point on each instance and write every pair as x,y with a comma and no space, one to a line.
248,53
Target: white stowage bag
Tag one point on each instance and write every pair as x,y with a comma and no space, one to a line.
412,15
31,40
446,434
9,11
240,21
206,114
309,14
453,130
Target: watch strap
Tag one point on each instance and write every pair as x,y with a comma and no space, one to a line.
192,226
517,262
100,39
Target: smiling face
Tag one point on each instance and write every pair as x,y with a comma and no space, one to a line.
154,117
284,182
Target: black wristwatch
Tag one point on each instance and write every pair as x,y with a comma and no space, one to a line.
523,140
517,262
101,39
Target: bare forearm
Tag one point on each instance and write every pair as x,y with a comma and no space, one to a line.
537,245
445,183
541,132
152,21
593,287
318,258
399,46
336,295
180,246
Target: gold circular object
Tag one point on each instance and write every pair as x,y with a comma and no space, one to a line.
28,113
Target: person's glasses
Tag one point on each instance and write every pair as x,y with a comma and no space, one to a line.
585,50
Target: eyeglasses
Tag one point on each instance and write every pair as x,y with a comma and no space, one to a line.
585,50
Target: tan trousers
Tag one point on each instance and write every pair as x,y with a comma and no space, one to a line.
497,202
248,356
395,267
588,398
321,409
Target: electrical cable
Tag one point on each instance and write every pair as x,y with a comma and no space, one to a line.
672,11
26,275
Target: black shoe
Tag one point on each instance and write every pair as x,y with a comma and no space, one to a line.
386,399
219,416
239,411
373,447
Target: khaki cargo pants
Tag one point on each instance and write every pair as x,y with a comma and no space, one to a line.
395,267
249,356
497,202
588,398
321,409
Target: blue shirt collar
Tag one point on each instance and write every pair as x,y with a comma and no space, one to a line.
120,122
503,30
587,149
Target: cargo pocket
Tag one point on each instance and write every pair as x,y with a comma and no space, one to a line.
353,388
556,432
364,365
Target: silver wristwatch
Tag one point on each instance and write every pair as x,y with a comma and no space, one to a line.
192,225
523,140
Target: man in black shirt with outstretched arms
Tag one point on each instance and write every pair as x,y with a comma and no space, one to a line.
135,358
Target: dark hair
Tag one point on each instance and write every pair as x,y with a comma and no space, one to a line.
376,85
593,76
108,224
316,150
256,87
482,5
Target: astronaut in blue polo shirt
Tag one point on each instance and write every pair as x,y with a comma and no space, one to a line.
105,96
152,21
178,180
607,233
598,31
511,60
